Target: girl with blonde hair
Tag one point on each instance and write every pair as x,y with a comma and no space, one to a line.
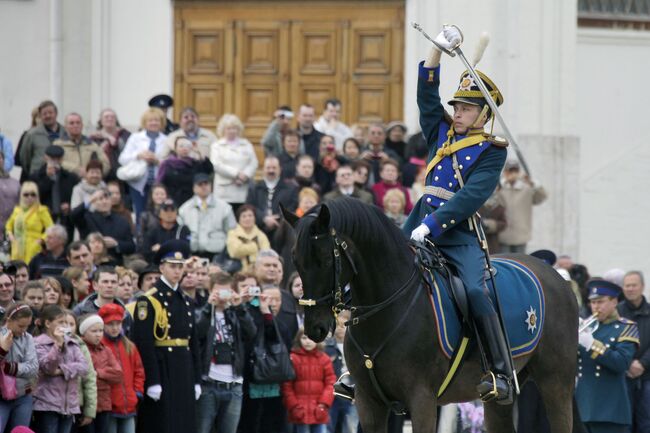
27,224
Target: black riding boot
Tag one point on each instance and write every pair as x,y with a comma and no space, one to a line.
344,387
496,384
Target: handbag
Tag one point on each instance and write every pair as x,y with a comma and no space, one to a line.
227,263
271,361
7,385
134,170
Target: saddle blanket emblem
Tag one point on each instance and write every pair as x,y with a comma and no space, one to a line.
522,304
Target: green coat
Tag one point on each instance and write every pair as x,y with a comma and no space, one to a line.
88,385
32,149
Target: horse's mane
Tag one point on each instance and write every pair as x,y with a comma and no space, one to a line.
365,224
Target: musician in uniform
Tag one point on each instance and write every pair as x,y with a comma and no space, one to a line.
163,330
604,356
464,167
164,102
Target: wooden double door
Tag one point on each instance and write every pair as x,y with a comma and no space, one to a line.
248,58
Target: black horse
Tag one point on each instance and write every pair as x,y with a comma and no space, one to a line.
346,241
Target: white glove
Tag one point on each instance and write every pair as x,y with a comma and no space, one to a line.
154,392
586,340
197,392
452,35
448,38
420,232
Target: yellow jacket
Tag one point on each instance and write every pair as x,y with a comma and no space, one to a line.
245,246
28,227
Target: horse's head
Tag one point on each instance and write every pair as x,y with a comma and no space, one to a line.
324,262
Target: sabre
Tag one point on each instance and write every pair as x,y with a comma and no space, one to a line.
486,94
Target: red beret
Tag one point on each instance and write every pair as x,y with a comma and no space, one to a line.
111,312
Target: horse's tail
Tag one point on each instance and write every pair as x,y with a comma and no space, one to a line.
578,426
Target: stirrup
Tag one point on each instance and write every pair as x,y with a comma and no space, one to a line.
504,397
342,389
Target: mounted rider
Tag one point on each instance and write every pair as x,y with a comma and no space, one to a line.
464,167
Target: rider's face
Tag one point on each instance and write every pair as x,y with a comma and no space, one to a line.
465,116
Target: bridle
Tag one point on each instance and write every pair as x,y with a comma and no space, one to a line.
339,247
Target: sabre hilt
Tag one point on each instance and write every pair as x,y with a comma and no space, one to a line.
449,51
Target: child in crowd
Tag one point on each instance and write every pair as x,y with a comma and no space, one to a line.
125,394
20,364
52,290
79,279
109,372
34,295
394,202
309,397
56,397
87,384
307,199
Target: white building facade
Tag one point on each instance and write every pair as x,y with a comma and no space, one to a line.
574,96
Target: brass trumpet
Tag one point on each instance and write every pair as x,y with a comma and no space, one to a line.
591,323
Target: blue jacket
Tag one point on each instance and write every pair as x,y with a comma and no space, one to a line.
480,166
8,152
601,391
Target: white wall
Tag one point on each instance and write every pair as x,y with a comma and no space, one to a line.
612,113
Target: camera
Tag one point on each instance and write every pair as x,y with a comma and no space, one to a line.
225,294
204,263
254,291
67,331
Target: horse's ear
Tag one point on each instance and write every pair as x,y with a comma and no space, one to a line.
323,219
289,216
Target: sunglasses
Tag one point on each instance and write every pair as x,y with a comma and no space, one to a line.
29,194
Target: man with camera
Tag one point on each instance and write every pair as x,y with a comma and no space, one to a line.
224,326
272,140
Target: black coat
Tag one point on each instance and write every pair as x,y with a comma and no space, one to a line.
158,235
641,316
45,264
179,180
243,331
312,143
67,181
111,225
176,369
258,195
288,165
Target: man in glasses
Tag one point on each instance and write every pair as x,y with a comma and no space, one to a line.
95,215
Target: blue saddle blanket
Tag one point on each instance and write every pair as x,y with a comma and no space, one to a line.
522,305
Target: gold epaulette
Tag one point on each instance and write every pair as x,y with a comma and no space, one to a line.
497,141
160,316
130,307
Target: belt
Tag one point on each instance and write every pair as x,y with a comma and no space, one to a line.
219,384
173,342
439,192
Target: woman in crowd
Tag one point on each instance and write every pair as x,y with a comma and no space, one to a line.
18,356
52,292
111,137
393,205
246,239
396,138
178,170
292,315
223,328
61,363
87,384
307,199
234,161
118,206
67,292
305,167
389,174
27,224
309,396
91,182
109,371
124,394
78,277
126,281
149,217
99,250
351,149
361,174
146,145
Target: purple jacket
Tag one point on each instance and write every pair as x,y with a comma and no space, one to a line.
58,393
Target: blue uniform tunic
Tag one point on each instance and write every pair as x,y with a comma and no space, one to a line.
447,219
601,391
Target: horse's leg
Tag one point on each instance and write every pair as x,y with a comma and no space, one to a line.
423,411
373,415
557,394
498,418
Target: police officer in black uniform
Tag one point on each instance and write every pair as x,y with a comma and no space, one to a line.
163,330
163,102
